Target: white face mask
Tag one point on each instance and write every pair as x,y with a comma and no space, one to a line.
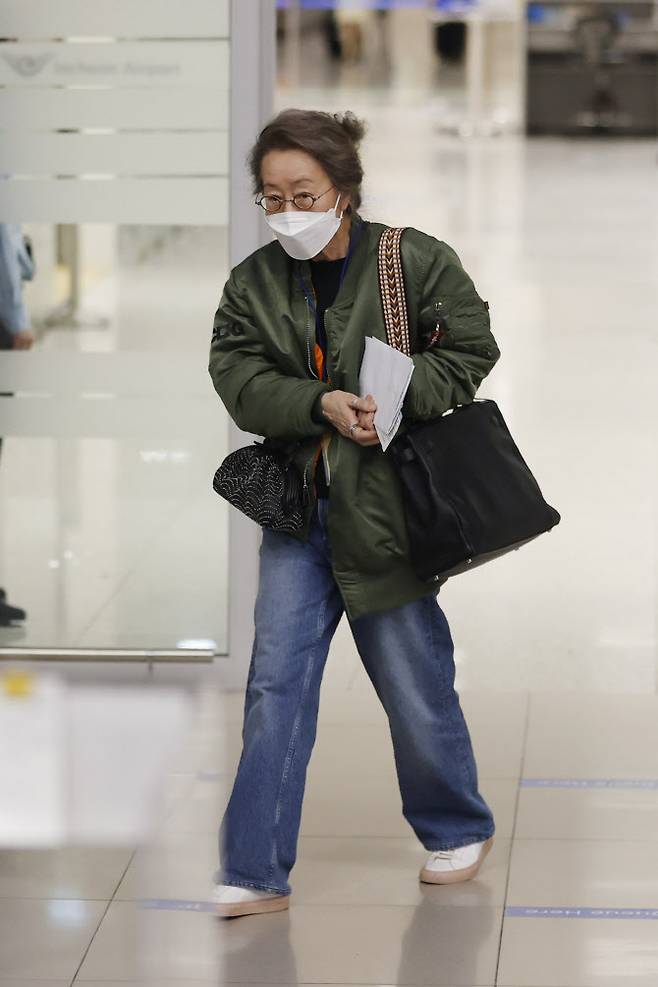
304,233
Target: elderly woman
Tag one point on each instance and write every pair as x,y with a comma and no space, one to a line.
288,339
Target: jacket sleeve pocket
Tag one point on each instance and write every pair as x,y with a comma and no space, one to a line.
454,325
258,396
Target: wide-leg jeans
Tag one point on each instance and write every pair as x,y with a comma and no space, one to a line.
407,653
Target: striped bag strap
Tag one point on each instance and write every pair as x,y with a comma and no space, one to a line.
391,287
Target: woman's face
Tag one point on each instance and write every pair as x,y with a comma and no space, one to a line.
286,173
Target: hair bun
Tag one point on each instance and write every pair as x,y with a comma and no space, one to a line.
352,125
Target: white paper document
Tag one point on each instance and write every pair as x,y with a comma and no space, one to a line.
385,373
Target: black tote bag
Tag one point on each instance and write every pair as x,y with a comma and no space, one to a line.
469,495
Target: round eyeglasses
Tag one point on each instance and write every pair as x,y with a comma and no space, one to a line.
303,200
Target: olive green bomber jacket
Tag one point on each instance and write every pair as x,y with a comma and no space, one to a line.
262,368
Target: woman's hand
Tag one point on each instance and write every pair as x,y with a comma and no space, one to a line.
344,409
366,419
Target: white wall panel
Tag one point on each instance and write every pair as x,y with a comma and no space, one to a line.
194,201
123,63
194,153
161,108
121,372
119,18
119,418
143,91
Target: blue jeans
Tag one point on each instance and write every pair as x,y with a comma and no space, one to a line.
407,652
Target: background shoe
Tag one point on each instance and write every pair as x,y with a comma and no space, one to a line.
8,614
458,864
230,900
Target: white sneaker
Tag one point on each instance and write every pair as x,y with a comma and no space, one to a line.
232,900
458,864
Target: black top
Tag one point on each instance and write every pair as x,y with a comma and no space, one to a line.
325,275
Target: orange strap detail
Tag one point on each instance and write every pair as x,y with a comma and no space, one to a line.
319,360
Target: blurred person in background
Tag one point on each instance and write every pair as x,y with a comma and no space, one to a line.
364,32
278,379
16,266
353,26
331,35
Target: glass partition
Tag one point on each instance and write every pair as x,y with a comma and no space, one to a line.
115,164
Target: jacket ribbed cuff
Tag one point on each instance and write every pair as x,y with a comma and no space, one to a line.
316,409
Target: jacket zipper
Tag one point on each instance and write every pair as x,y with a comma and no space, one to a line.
306,495
325,449
308,340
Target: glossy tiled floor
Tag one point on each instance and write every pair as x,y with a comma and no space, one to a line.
567,897
555,646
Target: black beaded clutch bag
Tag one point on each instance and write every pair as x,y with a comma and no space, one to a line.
262,481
